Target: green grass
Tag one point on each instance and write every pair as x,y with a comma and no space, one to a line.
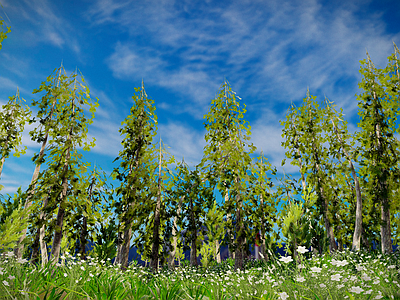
344,275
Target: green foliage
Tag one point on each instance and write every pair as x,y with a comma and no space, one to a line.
3,35
10,214
197,198
297,228
227,155
215,233
105,248
12,123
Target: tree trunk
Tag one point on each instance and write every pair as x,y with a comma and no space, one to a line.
193,250
230,235
38,242
304,185
55,249
156,227
358,225
83,237
124,253
123,248
386,236
35,249
171,259
328,226
120,240
239,233
3,160
386,245
218,256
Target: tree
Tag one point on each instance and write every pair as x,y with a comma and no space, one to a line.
198,198
53,94
337,141
264,212
12,117
378,105
224,132
3,35
69,131
309,143
137,158
85,215
181,191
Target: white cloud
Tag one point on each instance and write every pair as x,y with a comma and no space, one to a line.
288,46
46,22
7,83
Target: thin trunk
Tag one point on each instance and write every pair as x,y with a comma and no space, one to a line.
171,260
217,250
193,250
120,239
230,235
125,237
124,253
304,185
56,247
156,226
41,233
83,239
386,237
240,233
358,225
262,236
386,240
328,226
3,159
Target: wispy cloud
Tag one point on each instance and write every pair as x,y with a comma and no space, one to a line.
289,46
46,22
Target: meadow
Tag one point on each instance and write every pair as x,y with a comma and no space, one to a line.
342,275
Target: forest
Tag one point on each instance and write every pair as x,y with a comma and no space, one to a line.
64,202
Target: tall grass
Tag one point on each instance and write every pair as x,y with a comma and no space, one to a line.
343,275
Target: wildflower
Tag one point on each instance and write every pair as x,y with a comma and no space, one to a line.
316,269
283,295
336,277
286,259
300,279
356,289
302,249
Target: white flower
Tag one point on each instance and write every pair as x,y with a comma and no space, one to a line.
302,249
356,289
316,269
283,295
300,279
336,277
286,259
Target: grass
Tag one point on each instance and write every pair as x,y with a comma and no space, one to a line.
344,275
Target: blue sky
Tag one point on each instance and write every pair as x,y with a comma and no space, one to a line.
269,51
